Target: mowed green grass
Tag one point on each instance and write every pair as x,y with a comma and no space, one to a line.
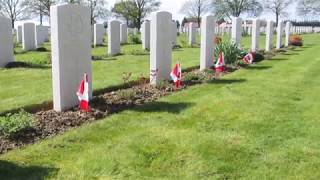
261,122
28,86
22,87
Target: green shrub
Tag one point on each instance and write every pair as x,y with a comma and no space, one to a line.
126,94
162,85
135,39
231,52
13,123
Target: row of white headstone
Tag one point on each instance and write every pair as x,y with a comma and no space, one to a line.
71,37
32,36
70,25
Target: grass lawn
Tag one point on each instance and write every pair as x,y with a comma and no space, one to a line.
258,123
21,87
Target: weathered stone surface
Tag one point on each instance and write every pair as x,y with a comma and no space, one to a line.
192,34
123,33
279,34
19,34
6,42
255,35
114,38
28,36
269,35
145,35
174,33
207,42
41,35
236,30
98,30
71,53
288,26
161,47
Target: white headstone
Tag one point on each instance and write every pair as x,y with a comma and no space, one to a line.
28,36
6,41
114,38
145,35
192,34
161,49
19,34
98,34
236,30
269,35
288,26
71,53
174,33
41,35
279,34
207,42
255,35
123,34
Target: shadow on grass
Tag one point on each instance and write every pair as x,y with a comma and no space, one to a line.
103,58
227,81
290,54
13,171
297,50
19,64
279,59
174,108
257,67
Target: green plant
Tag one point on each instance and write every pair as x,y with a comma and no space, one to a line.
135,39
163,85
126,77
13,123
126,94
230,50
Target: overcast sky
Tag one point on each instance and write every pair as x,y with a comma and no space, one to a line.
174,7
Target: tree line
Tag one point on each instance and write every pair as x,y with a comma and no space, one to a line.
226,9
133,12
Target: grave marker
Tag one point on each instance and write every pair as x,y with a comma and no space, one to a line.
6,42
207,42
269,35
161,47
71,53
123,34
279,34
192,34
28,36
114,38
236,30
145,35
255,35
98,34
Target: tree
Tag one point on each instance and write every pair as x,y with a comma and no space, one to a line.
142,9
125,10
196,9
235,8
39,7
98,8
310,7
278,7
135,11
13,9
178,24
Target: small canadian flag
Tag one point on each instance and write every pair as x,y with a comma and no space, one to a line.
248,59
220,64
83,94
176,75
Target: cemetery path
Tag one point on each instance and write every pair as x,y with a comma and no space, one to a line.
259,122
